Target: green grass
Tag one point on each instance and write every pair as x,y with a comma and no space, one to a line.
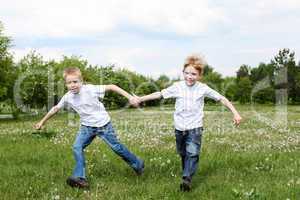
258,160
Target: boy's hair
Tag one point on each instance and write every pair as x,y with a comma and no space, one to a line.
72,71
196,61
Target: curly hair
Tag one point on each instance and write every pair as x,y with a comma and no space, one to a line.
197,61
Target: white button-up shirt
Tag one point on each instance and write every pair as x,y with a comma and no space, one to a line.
189,103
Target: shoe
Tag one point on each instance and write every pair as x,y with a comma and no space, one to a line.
77,182
140,171
186,184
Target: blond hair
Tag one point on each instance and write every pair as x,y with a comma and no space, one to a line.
72,71
197,61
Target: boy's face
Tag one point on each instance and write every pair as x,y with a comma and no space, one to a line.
191,75
73,83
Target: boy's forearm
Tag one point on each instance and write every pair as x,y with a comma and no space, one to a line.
118,90
51,112
229,105
155,95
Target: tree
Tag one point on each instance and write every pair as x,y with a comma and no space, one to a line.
243,83
244,90
261,72
262,79
7,68
162,82
244,71
230,88
33,81
286,74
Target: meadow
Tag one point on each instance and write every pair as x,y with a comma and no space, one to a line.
257,160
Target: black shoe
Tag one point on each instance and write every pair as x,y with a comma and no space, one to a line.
77,182
140,171
186,184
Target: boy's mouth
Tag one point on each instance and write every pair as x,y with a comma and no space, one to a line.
74,90
190,82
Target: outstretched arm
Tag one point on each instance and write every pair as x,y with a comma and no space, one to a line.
155,95
132,100
51,112
236,116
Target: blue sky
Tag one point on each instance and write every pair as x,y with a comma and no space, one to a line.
154,37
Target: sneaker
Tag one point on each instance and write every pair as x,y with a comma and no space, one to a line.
186,184
140,171
77,182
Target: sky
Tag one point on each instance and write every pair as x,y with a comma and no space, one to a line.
154,37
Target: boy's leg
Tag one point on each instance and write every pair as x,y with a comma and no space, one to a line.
180,146
107,133
193,146
84,137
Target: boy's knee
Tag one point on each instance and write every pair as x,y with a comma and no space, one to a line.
193,149
77,148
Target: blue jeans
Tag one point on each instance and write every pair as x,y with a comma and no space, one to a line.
188,145
86,135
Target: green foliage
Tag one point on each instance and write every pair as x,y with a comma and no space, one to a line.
7,68
230,88
212,79
287,73
33,80
244,90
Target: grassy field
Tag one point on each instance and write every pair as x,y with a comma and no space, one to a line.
258,160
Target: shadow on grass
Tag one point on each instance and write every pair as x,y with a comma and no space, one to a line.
44,134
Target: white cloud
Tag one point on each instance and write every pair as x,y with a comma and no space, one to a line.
151,60
57,18
47,53
236,32
278,4
183,17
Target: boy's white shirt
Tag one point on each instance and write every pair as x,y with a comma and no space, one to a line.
86,103
189,103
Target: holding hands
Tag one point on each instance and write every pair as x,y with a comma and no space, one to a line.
135,101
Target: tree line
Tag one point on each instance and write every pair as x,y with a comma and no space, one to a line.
37,83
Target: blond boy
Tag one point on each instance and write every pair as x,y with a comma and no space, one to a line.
94,120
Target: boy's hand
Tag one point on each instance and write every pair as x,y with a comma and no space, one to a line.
134,101
237,119
38,126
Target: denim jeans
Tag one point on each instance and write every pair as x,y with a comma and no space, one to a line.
188,145
86,135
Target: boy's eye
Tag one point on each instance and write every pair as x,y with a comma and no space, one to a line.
69,82
187,73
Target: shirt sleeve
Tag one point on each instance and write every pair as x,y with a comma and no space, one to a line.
170,92
211,93
99,90
62,103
